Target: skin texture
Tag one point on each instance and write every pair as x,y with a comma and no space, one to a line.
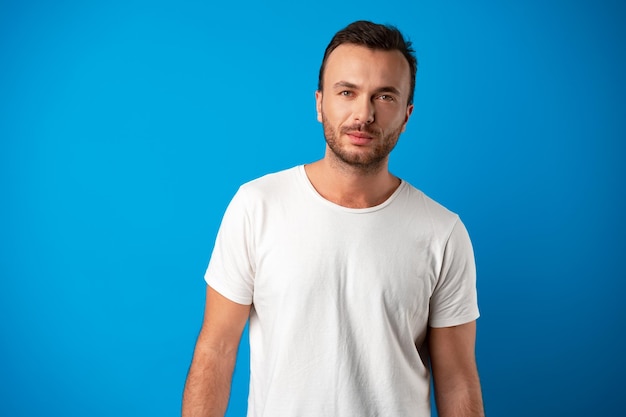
364,109
361,101
208,382
457,387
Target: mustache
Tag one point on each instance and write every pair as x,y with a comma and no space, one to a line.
360,127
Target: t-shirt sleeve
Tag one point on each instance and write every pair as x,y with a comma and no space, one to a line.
454,300
231,270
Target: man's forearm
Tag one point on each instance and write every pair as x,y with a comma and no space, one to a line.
207,388
462,402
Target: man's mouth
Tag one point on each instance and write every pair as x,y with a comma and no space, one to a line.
359,134
359,138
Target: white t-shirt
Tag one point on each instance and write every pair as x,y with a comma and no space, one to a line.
341,298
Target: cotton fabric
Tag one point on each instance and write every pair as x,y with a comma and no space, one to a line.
341,298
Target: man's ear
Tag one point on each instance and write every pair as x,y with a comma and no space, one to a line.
409,110
318,105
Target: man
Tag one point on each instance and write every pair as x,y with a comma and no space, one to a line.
355,284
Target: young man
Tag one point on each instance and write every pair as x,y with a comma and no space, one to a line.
355,284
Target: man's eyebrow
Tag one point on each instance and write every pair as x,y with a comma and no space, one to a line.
386,89
344,84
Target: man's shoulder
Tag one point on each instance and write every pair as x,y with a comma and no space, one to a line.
420,197
274,186
422,204
273,180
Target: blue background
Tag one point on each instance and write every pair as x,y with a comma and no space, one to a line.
126,127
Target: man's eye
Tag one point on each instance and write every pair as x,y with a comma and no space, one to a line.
346,93
386,97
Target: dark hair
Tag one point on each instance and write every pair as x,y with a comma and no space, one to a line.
373,36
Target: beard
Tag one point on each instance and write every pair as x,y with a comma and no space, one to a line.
365,159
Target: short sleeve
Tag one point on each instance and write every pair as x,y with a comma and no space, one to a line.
454,300
231,271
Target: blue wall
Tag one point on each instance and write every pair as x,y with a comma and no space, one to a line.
126,126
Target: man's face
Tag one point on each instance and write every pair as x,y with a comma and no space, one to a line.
363,105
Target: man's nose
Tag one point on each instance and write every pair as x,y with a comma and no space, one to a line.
363,111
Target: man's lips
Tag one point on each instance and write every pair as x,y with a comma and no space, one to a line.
359,138
359,134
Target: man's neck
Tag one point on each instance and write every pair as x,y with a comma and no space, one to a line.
349,186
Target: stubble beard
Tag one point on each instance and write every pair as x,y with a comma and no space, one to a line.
366,161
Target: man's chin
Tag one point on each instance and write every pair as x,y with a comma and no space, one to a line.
360,160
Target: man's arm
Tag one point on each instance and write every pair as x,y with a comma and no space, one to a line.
455,375
207,388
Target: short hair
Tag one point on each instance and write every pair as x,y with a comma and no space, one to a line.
373,36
